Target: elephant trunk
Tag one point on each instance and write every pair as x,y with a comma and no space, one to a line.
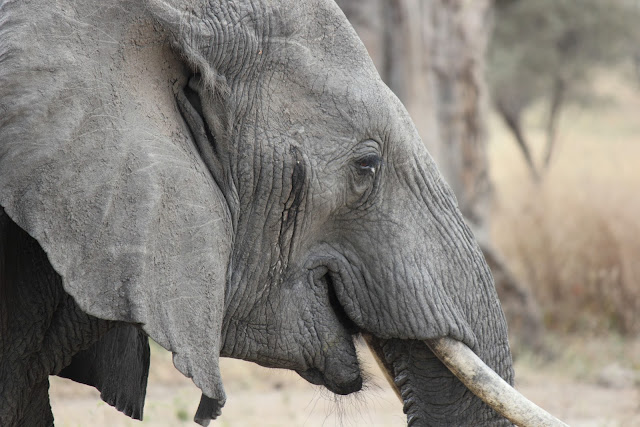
443,381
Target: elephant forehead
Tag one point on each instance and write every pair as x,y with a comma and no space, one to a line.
241,38
322,57
325,36
311,96
322,78
318,26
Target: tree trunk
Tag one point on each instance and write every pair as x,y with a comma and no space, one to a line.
555,107
514,124
431,54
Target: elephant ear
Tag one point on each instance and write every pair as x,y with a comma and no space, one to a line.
98,166
118,366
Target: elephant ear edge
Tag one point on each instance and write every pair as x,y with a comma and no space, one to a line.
97,165
118,366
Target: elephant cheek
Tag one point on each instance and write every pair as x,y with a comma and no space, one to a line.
297,329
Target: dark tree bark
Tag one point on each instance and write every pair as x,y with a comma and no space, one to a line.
431,54
512,119
636,64
555,107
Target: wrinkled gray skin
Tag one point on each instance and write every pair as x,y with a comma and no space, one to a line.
233,179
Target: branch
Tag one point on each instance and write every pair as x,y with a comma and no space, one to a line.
512,120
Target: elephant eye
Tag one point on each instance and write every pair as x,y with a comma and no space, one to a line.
368,164
364,179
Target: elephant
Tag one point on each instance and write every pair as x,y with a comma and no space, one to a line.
231,179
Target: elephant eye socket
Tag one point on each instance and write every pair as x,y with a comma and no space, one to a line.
364,179
368,164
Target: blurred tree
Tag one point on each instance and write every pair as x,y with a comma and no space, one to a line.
636,64
431,54
547,50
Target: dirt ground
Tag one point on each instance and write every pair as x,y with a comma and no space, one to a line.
592,383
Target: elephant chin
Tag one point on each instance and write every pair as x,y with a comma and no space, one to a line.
345,386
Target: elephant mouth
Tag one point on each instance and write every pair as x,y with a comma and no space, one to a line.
421,372
340,384
349,325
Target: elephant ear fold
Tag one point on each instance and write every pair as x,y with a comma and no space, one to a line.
97,164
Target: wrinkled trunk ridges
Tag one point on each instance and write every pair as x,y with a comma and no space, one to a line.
432,395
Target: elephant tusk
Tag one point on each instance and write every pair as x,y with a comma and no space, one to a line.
489,386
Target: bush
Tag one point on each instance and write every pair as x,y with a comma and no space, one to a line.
575,236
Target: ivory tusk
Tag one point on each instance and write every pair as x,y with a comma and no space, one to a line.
489,386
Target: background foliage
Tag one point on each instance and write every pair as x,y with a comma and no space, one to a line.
573,231
548,51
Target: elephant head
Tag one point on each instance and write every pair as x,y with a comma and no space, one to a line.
235,178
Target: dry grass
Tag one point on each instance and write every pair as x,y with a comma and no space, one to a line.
256,397
575,237
591,382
